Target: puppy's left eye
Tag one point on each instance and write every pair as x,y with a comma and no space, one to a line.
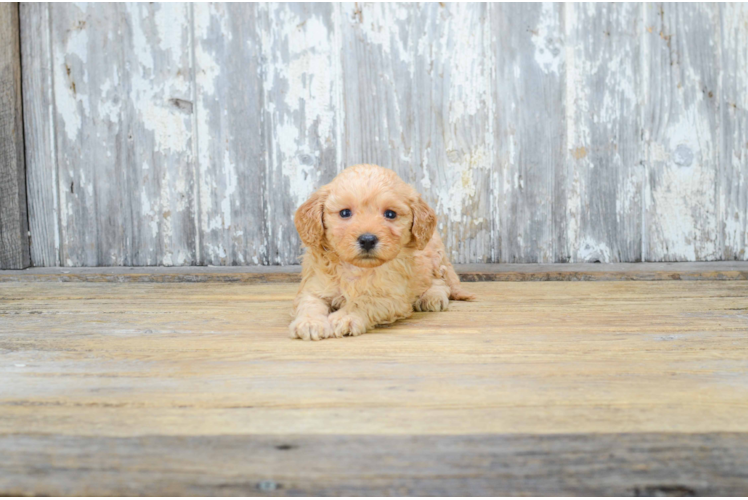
389,214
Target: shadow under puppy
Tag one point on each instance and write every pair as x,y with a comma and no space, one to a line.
372,256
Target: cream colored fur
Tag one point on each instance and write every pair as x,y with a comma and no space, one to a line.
345,291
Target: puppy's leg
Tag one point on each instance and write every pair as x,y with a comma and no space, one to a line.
364,313
311,321
434,299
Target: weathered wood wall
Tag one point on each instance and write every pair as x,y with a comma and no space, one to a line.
14,240
181,134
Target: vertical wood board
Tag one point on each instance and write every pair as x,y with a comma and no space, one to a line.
528,43
229,125
681,130
604,170
39,130
14,242
733,197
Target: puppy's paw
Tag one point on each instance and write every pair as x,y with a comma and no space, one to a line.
310,328
432,300
346,324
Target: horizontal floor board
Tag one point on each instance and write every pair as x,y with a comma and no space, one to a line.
473,465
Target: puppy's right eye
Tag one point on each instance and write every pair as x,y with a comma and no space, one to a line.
345,213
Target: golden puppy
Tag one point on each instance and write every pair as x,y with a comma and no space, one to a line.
372,256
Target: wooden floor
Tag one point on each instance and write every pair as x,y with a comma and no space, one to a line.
617,387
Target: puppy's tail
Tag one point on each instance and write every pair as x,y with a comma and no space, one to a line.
453,282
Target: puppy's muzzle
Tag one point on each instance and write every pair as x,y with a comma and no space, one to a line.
367,242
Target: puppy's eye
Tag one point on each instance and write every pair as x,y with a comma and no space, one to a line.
389,214
345,213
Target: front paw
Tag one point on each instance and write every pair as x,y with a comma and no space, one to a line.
310,328
346,324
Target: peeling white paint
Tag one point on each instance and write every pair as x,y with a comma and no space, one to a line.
545,38
299,56
71,97
449,49
462,188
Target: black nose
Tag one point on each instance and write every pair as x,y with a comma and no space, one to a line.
367,241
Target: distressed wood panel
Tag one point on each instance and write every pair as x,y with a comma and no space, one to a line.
379,44
14,242
122,90
417,99
39,130
231,156
604,169
92,185
610,464
528,42
188,134
681,129
159,161
301,97
734,153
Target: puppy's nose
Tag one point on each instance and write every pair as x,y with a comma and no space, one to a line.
367,241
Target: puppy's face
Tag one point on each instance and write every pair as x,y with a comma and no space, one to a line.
367,228
367,215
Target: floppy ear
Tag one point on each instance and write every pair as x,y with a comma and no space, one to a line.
308,220
424,223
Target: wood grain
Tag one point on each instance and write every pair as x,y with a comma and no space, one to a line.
604,173
14,241
733,197
40,132
689,271
122,94
681,131
128,359
231,139
301,96
544,388
541,133
528,47
474,465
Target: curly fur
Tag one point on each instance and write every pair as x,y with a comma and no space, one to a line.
345,291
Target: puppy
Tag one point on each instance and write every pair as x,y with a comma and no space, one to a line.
372,256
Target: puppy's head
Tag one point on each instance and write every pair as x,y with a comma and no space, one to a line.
366,216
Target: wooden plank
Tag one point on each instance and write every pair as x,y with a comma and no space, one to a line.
159,162
417,100
530,135
301,97
604,173
650,271
178,389
92,185
40,131
124,131
682,69
231,135
476,465
14,241
130,360
734,114
379,44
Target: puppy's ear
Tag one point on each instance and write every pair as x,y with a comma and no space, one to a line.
308,220
424,223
